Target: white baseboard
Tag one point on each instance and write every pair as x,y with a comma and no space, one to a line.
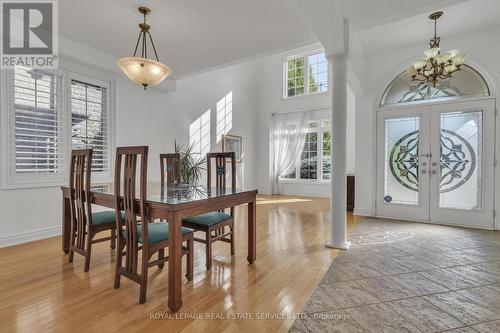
29,236
362,212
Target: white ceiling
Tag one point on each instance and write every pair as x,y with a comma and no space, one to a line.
194,35
189,35
468,16
364,14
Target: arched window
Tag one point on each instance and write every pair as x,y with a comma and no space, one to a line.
464,83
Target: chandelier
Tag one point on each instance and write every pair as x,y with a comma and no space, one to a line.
142,70
436,65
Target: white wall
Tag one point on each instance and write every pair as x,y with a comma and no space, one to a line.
380,69
196,94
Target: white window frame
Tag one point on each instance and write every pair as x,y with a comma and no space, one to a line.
305,55
319,171
67,71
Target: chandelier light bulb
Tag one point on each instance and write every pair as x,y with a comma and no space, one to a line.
412,71
431,53
460,59
453,53
419,64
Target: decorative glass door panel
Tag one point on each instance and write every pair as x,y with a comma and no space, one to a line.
402,165
401,160
460,160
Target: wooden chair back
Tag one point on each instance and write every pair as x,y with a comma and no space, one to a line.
170,165
221,170
79,186
127,228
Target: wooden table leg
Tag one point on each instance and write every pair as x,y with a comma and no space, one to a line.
252,247
66,223
175,262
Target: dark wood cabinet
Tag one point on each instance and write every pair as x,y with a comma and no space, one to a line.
350,193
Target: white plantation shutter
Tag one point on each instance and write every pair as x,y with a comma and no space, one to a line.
89,121
50,112
38,144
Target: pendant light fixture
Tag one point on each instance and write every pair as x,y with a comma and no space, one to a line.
142,70
436,65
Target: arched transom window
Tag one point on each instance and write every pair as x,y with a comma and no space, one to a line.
465,83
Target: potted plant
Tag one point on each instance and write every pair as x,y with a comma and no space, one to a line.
191,167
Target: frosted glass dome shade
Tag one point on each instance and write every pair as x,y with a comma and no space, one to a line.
143,71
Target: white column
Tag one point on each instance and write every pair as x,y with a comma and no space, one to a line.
338,229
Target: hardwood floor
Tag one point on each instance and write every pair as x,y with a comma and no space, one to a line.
41,291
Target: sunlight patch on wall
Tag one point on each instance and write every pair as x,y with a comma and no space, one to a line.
199,135
224,115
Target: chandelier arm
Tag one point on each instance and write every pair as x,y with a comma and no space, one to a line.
428,66
154,48
418,79
137,44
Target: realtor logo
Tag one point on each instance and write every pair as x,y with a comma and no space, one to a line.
29,33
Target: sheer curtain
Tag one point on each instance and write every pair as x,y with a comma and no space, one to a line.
288,137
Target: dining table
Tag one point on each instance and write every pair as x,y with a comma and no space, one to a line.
173,204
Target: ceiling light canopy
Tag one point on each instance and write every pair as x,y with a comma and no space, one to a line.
436,65
141,70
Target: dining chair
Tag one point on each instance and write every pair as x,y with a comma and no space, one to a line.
170,166
134,235
214,224
85,224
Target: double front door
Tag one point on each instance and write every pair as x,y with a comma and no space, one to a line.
435,162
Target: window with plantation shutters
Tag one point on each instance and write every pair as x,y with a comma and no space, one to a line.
89,121
48,113
38,135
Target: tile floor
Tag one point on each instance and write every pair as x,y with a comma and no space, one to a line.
409,277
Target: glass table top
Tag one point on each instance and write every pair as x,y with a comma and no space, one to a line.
177,194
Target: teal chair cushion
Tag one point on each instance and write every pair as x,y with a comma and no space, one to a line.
105,217
208,219
157,232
